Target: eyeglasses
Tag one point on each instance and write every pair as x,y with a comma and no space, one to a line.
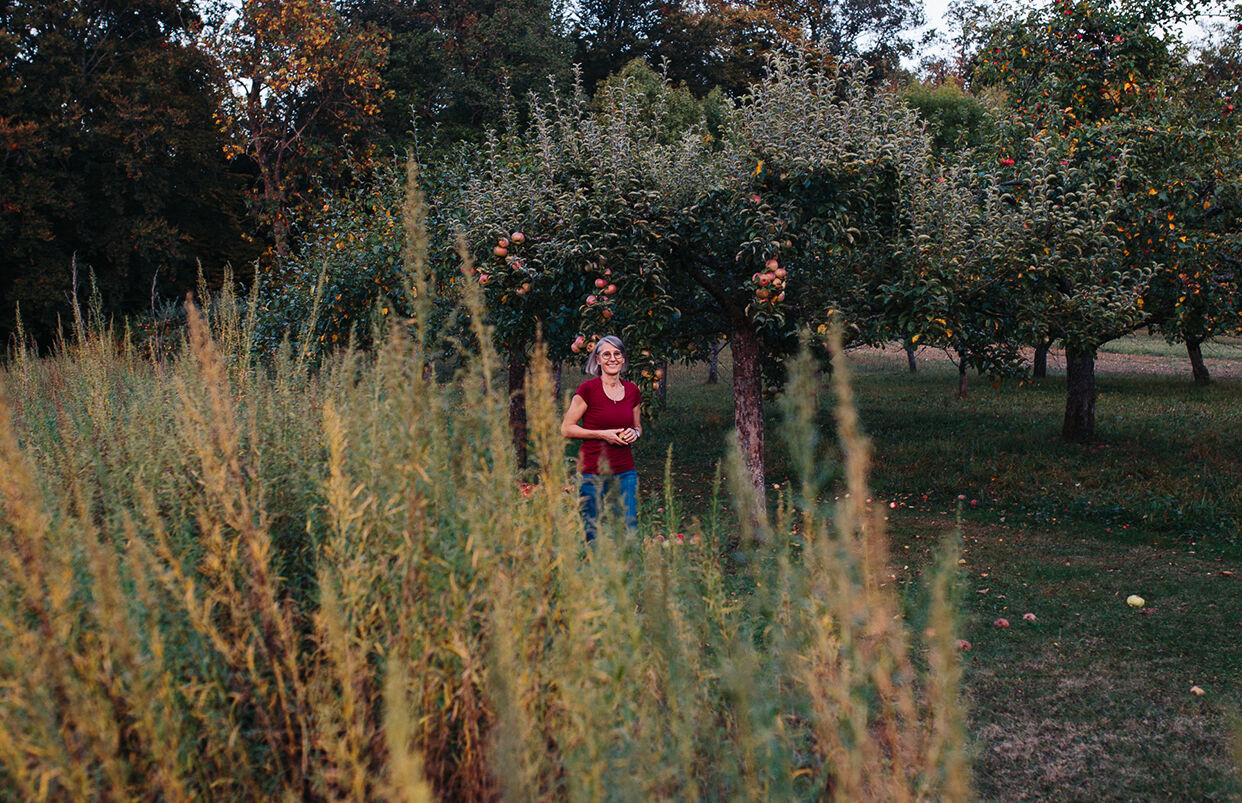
610,356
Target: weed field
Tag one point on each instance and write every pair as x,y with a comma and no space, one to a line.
232,578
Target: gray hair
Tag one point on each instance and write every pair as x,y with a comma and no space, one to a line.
592,364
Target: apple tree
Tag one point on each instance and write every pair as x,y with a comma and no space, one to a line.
952,284
566,216
1095,79
783,221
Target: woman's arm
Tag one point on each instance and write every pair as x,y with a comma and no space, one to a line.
636,431
570,428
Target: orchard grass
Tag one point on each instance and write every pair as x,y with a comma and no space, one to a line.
1093,699
1219,348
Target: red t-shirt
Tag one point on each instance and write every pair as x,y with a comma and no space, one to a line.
604,413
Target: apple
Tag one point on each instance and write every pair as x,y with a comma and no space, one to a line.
607,313
503,242
659,372
525,287
781,296
776,281
601,283
484,278
607,271
963,644
762,294
1028,617
755,277
1002,622
518,237
591,299
780,273
500,251
765,279
1135,601
610,290
579,341
771,264
1196,691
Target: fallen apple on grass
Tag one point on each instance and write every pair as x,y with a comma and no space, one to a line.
1135,601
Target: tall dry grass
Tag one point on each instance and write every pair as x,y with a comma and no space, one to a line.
225,579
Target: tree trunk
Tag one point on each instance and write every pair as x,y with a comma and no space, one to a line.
556,377
274,201
1079,426
517,406
748,409
1039,363
713,363
910,361
962,366
1200,371
662,387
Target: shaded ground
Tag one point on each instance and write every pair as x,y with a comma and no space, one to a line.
1093,700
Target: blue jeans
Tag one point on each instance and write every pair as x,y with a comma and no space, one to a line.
595,487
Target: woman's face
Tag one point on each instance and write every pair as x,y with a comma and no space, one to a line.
611,359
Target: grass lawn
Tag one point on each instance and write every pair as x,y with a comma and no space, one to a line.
1093,699
1222,348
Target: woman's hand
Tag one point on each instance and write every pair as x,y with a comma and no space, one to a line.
615,436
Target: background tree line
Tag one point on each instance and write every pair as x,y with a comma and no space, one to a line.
146,141
1078,179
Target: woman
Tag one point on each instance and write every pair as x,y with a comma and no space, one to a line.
605,414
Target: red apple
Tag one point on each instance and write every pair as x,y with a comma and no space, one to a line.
765,278
591,299
762,294
771,264
776,282
607,313
659,372
518,237
577,344
503,242
601,283
525,288
484,278
780,273
610,290
781,297
500,251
